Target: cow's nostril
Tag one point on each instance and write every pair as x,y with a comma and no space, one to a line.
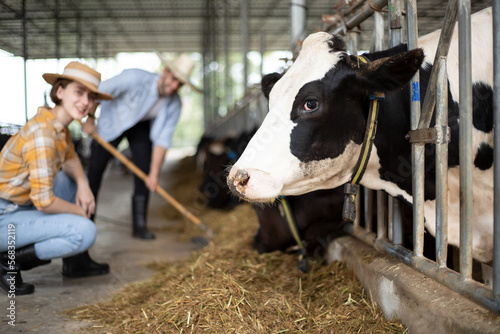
241,178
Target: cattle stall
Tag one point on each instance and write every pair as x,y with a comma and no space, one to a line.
388,236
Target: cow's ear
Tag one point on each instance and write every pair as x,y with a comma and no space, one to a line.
268,82
391,73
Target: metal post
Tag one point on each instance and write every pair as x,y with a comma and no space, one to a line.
25,57
244,41
353,43
362,14
207,110
368,205
298,23
417,149
496,108
378,33
395,22
442,50
396,221
465,140
227,68
442,165
57,27
79,37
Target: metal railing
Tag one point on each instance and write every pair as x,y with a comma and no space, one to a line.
388,235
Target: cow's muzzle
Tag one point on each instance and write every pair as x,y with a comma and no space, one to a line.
237,182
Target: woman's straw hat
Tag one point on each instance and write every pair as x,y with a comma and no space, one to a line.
182,68
81,73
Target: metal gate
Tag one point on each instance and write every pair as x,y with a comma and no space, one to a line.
388,235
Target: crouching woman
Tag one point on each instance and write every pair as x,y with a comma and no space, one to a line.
45,199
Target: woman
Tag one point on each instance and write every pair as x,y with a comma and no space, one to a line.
45,199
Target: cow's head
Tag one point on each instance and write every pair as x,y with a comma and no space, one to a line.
312,135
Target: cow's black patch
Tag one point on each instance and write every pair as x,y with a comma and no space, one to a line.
326,132
336,44
484,157
483,107
268,81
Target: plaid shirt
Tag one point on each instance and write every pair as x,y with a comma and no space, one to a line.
31,159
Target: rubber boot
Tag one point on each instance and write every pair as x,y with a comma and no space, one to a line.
11,280
81,265
139,209
27,258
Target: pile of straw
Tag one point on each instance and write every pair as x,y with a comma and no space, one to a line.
227,287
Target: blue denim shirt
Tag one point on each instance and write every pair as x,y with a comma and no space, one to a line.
135,91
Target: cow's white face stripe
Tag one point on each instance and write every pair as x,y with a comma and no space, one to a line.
305,69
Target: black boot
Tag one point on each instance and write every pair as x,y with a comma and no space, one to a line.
139,209
11,280
27,259
81,265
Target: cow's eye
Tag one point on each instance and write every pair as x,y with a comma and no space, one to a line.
310,106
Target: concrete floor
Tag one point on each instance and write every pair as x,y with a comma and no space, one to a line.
41,312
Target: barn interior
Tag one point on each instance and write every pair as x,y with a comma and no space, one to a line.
221,34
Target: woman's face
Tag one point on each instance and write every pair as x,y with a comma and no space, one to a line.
76,99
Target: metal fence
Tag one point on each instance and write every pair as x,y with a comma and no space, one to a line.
388,236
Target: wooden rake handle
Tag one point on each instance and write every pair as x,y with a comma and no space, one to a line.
140,174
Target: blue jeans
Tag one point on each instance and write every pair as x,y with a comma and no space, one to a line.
54,235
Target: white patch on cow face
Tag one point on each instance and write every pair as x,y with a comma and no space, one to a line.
272,169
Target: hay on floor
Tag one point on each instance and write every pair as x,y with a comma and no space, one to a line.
228,287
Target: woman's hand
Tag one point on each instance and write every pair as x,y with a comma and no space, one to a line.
89,126
85,199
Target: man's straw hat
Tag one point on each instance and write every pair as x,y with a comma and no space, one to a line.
81,73
182,68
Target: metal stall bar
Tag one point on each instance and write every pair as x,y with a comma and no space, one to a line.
424,122
496,116
473,290
365,12
442,165
378,45
228,86
298,24
465,140
244,41
25,59
395,38
442,51
417,151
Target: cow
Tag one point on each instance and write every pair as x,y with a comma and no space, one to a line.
317,216
312,136
213,158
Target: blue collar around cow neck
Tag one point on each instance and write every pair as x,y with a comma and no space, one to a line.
287,215
351,188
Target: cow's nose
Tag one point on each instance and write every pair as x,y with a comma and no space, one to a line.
238,181
241,178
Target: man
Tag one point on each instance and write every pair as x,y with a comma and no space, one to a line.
145,110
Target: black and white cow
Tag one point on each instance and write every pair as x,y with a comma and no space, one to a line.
312,135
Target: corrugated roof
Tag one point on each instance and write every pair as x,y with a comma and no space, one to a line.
102,28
